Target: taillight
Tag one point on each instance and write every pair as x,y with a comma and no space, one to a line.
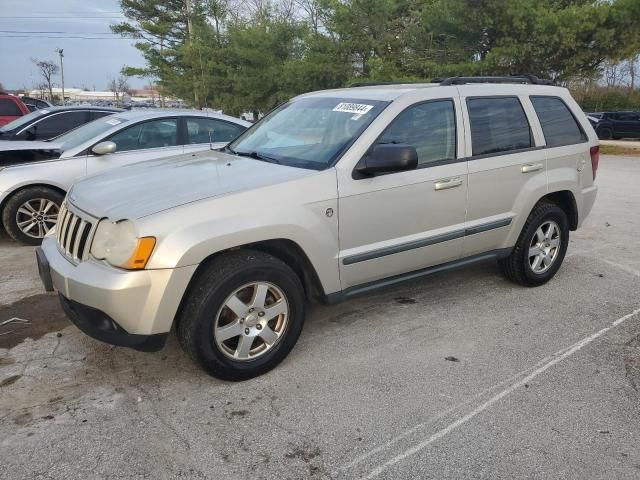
595,159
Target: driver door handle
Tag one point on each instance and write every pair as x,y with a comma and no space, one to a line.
531,167
447,183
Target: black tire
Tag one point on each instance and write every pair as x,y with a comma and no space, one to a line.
223,276
605,133
18,199
516,267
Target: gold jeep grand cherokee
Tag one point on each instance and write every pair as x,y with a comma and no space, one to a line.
331,195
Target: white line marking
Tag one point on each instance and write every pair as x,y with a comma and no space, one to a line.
622,267
559,356
440,415
588,251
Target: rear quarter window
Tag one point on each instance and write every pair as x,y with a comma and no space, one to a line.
558,123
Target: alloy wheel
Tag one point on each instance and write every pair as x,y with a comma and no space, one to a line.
544,247
251,321
36,217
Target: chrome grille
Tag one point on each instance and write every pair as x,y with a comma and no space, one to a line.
73,233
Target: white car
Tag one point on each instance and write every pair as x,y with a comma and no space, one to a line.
35,176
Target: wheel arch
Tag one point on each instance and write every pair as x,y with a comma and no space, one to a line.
283,249
20,188
566,200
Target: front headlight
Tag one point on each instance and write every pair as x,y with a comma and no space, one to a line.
118,244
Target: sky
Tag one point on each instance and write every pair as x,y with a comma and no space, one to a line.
88,63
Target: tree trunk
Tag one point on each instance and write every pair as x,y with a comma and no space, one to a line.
190,34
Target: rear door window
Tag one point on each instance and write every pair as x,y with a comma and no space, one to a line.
558,123
498,125
211,130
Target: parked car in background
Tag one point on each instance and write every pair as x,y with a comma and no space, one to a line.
35,103
35,176
11,107
331,195
615,125
48,123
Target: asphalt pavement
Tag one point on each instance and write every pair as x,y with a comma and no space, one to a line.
460,375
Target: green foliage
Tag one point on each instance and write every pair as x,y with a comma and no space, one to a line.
607,99
204,53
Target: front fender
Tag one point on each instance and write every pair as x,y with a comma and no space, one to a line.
297,213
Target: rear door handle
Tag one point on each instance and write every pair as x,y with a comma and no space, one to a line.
447,183
532,167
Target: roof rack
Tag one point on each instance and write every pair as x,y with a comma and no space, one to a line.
375,84
523,78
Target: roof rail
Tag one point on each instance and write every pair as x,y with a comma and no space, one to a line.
375,84
523,78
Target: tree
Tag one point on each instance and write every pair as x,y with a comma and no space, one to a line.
250,55
559,39
170,35
42,89
47,68
119,86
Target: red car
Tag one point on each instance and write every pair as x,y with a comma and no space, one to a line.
11,108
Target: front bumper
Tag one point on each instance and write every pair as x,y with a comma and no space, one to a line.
130,303
100,326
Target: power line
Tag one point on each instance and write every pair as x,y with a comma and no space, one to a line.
63,37
69,17
61,33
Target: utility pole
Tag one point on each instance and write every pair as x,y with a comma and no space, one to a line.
59,50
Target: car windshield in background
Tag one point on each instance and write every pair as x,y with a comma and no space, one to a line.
24,120
308,133
88,131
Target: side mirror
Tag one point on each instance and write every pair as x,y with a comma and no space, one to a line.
103,148
387,158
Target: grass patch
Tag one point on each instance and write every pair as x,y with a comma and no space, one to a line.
619,150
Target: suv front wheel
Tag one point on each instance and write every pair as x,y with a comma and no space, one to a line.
243,315
541,247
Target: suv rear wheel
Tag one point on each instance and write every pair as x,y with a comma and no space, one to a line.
541,247
243,315
30,213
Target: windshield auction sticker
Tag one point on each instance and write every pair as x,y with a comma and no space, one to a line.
113,121
355,108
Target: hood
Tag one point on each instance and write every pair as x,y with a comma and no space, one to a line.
19,152
152,186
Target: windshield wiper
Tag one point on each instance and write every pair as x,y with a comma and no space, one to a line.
257,156
228,149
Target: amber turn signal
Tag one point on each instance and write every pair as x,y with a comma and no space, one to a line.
141,254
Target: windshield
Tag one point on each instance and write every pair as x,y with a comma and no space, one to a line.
86,132
24,120
308,133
